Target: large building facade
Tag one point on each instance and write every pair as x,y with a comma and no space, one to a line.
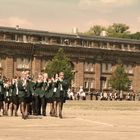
93,58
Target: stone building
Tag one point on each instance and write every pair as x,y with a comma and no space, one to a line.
93,58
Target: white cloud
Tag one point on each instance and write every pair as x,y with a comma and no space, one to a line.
13,21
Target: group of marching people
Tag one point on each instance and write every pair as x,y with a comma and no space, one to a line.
31,96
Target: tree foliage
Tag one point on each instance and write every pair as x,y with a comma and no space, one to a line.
95,30
115,30
119,79
135,36
59,63
118,30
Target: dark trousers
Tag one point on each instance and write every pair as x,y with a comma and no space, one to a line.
37,105
43,105
33,105
30,109
91,96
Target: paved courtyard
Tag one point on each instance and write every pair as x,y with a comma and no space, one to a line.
83,120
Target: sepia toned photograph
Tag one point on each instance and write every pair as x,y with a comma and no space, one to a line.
69,70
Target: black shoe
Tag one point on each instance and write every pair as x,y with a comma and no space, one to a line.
26,117
51,114
60,116
44,114
16,114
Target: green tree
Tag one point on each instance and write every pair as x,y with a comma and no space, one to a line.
135,36
59,63
118,30
95,30
119,79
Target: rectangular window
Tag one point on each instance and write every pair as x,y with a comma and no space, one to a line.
104,84
106,67
23,63
89,67
1,36
103,67
109,67
88,84
130,69
9,37
19,38
24,38
36,38
86,66
91,85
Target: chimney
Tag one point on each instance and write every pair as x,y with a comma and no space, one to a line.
75,30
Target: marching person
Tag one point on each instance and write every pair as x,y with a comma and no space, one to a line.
38,86
49,95
7,97
43,95
22,89
28,93
15,92
53,108
61,93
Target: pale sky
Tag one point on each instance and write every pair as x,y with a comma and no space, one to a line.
63,15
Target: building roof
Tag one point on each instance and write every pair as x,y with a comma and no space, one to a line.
65,35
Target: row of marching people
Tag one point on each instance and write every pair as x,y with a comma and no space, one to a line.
32,95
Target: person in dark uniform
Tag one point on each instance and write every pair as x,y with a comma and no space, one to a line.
49,95
28,93
37,91
55,87
33,97
8,97
91,95
1,94
29,98
61,93
15,92
43,94
22,83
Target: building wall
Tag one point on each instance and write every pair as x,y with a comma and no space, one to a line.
89,56
79,75
8,69
136,78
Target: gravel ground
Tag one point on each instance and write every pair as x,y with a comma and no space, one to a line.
83,120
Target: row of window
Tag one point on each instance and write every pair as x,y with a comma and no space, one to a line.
89,84
66,41
107,68
25,63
